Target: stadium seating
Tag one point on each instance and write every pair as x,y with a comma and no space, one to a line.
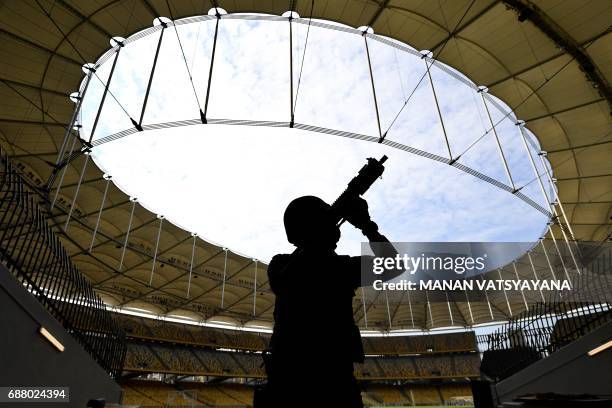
152,357
182,359
146,328
156,393
209,353
430,343
195,350
427,395
147,393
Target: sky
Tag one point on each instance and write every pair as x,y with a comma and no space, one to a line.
230,184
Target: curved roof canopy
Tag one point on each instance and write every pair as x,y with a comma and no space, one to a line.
549,61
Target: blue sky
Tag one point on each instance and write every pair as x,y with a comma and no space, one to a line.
230,184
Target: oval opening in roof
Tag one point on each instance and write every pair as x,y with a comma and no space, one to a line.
220,148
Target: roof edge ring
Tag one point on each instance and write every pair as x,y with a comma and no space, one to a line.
161,21
426,54
217,11
366,29
290,14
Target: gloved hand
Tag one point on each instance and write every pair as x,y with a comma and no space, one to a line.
356,212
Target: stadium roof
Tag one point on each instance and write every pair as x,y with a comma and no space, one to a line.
550,61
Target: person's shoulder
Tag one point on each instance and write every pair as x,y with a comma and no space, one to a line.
277,267
348,259
344,257
278,261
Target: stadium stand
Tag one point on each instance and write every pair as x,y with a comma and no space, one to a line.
172,332
431,343
152,393
180,359
427,395
145,328
146,393
168,347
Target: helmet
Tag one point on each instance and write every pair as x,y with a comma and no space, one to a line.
309,221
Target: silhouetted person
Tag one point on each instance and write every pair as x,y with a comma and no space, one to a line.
315,339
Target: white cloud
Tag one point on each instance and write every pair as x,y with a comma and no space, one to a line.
230,184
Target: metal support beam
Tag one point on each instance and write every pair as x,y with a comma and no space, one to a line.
291,112
584,177
76,192
195,236
69,132
528,11
83,182
433,90
554,240
410,308
535,274
147,256
146,97
84,18
388,309
561,111
24,155
150,8
127,235
190,301
544,61
548,262
255,289
40,47
365,311
224,277
110,207
505,294
365,39
548,200
159,229
469,305
34,87
377,13
499,146
33,123
468,23
596,202
59,186
428,307
586,146
210,70
518,279
93,235
488,301
165,284
450,312
106,86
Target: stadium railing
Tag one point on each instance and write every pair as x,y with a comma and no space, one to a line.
34,254
548,326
